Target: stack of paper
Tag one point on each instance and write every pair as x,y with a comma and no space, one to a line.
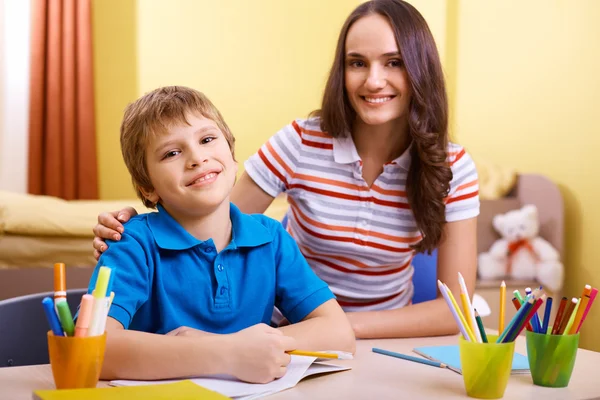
300,367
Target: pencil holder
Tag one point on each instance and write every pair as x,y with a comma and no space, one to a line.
551,358
486,367
76,361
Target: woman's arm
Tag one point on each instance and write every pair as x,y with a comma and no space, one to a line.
249,197
256,354
457,253
325,328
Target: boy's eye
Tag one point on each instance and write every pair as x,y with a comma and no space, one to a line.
171,153
207,139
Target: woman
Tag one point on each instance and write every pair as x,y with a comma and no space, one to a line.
371,177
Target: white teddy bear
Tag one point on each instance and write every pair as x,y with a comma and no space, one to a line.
521,253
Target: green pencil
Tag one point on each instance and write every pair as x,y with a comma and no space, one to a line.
480,325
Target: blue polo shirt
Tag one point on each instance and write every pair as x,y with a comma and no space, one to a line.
165,278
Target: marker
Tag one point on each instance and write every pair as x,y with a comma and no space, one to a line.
60,283
65,317
55,327
85,315
99,295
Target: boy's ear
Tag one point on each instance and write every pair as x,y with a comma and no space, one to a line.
149,194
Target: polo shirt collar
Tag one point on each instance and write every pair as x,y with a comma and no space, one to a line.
169,234
344,152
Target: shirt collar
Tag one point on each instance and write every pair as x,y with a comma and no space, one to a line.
344,152
169,234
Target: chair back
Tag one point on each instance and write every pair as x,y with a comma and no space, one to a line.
425,277
23,328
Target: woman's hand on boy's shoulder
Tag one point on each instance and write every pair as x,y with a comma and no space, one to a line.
188,332
258,353
110,226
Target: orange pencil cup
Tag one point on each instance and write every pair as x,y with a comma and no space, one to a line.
76,361
551,358
486,367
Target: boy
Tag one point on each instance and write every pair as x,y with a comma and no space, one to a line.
197,281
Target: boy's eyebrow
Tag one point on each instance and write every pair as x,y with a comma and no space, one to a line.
388,54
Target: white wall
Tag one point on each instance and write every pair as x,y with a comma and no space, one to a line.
15,25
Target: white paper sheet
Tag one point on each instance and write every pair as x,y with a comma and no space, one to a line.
299,368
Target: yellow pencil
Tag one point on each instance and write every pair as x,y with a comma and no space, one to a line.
314,354
502,302
460,315
465,305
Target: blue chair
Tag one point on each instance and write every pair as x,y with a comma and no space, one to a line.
425,277
23,328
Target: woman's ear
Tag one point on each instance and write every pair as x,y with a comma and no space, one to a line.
150,195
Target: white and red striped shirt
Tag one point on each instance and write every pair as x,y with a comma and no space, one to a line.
356,238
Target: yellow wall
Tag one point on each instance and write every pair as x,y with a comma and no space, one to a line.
263,63
115,81
527,97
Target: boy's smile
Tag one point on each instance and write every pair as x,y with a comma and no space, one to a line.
191,168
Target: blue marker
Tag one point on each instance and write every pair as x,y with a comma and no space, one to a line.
55,326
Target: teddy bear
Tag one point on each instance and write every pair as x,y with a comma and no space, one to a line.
520,253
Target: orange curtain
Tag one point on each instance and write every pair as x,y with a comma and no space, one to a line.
62,137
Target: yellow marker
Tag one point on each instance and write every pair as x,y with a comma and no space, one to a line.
99,294
460,315
502,305
585,298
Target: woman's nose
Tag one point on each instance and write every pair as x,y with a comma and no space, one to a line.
376,80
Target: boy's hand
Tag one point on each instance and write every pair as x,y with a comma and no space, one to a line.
187,331
258,354
110,227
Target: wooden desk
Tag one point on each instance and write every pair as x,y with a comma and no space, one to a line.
373,376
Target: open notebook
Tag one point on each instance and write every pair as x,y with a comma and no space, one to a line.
299,368
450,356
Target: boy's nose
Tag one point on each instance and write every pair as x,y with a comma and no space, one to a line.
196,162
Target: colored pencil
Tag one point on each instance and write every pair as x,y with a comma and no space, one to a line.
532,312
502,306
469,314
567,316
517,305
559,314
515,321
547,311
518,296
480,326
460,315
461,327
316,354
587,309
409,358
571,321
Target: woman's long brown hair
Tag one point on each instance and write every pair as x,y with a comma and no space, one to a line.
429,175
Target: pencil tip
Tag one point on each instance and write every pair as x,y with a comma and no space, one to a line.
503,284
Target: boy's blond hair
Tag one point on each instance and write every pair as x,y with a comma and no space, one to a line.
152,114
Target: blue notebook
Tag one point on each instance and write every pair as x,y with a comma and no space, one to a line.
450,356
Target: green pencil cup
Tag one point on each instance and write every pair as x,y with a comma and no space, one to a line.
551,358
486,367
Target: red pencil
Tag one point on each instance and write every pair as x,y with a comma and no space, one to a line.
517,305
536,306
559,314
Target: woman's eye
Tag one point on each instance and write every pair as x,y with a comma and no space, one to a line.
207,139
357,64
170,154
396,63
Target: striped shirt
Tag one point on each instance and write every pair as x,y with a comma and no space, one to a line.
356,238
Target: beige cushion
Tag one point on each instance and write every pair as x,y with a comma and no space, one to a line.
23,214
